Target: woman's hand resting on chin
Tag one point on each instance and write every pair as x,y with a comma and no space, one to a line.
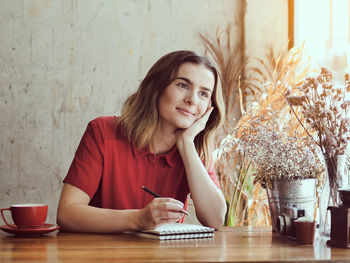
192,131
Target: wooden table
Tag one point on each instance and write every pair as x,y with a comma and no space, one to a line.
230,244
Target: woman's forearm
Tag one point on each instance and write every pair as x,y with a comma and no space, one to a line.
208,200
84,218
75,214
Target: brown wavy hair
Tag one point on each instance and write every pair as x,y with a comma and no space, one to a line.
140,118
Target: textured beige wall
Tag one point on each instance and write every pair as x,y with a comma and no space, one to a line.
65,62
266,25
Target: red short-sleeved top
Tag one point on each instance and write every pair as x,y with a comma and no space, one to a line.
111,170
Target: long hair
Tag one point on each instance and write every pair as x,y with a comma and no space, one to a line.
140,118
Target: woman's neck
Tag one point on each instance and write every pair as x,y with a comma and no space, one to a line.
162,141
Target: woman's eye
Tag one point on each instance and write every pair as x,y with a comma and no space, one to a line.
204,94
183,85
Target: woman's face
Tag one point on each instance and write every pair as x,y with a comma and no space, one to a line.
187,98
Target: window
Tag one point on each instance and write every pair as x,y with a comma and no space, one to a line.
324,27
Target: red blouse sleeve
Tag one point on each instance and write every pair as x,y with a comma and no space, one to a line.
86,169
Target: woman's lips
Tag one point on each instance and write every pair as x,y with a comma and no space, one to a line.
185,112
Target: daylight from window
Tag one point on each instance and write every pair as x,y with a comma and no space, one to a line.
323,25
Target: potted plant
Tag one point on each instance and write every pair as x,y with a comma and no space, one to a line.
286,165
324,115
271,77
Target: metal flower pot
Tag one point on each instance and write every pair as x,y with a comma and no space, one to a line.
289,197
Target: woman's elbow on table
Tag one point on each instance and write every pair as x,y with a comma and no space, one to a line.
62,220
69,210
219,222
214,220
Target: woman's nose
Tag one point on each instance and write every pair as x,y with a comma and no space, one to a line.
191,98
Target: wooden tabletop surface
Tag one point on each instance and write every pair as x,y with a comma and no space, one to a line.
230,244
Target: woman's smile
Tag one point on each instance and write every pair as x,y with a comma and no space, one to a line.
185,112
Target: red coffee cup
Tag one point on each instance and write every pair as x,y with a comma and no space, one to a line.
26,216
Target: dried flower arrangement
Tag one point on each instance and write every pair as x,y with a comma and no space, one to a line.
247,201
276,154
325,118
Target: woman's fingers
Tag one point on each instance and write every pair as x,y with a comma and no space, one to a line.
199,124
168,208
163,210
206,115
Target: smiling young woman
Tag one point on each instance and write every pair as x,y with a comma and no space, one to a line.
161,140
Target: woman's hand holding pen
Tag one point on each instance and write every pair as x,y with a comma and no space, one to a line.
160,210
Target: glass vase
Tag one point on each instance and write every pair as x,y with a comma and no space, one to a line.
336,177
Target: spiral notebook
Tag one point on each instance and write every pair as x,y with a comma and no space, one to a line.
170,231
